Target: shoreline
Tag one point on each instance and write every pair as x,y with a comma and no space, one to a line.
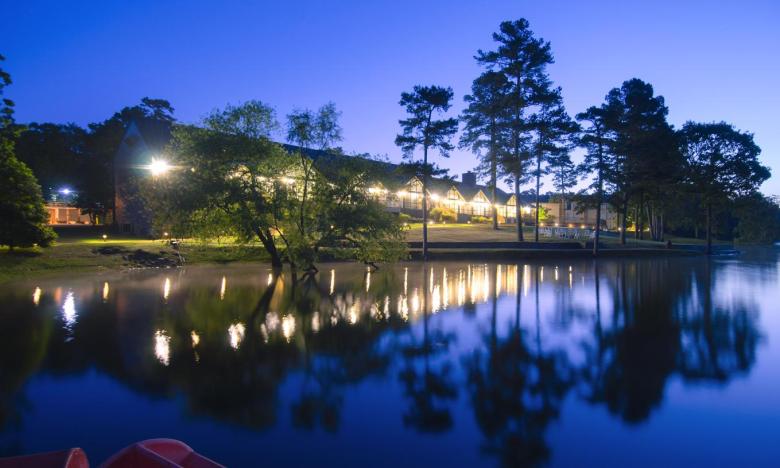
74,257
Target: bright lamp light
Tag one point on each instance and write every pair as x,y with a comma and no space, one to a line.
159,167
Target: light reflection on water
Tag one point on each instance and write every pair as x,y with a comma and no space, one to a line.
499,361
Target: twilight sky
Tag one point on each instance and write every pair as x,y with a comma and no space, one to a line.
81,61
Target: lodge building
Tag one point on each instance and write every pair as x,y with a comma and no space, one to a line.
400,194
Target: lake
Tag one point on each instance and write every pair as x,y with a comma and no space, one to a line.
616,362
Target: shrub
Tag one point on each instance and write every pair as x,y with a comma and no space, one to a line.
480,220
404,218
443,214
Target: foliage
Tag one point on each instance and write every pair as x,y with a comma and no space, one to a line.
257,187
422,129
444,214
22,209
646,161
722,164
758,220
484,126
479,219
522,58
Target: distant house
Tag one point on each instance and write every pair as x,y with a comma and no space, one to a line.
63,213
399,193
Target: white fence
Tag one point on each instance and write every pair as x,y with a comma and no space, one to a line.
567,233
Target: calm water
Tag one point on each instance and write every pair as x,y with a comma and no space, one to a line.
640,362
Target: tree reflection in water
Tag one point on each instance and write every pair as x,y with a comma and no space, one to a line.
516,391
229,344
429,385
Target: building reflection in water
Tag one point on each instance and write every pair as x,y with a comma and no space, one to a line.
613,342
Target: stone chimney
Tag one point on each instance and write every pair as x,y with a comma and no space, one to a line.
469,178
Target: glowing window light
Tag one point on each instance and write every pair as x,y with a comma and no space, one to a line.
162,347
354,310
288,327
315,322
159,167
69,309
236,334
415,302
435,197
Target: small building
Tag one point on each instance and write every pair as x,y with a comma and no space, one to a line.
62,213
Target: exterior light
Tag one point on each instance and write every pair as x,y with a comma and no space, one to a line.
165,234
159,167
65,191
105,236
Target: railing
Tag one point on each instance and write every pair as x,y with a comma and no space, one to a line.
567,233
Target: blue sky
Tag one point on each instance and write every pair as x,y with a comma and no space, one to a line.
81,61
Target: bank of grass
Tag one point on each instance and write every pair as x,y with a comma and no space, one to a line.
484,232
72,255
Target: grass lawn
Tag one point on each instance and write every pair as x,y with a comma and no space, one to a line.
79,254
507,233
467,233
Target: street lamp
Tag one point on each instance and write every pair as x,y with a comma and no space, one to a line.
158,167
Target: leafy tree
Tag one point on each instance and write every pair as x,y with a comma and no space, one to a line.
644,145
522,59
54,153
595,138
21,203
485,131
551,128
421,129
308,129
256,186
758,219
722,164
21,207
102,144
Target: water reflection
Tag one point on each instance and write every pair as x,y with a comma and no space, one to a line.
508,340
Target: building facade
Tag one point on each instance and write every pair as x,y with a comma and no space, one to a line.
466,198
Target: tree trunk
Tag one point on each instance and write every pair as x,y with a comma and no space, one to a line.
518,210
493,183
623,222
598,222
268,242
538,185
425,203
641,218
709,228
636,222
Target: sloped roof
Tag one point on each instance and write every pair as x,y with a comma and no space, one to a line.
157,134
